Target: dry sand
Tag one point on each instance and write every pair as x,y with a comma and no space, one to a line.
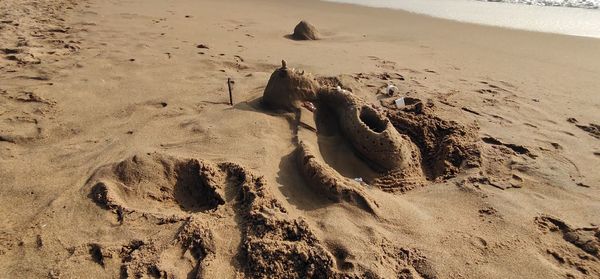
120,156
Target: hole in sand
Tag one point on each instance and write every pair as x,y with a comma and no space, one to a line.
372,120
191,193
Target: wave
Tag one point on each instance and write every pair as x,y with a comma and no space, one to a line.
586,4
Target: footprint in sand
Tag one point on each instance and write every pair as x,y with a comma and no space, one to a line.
575,249
592,129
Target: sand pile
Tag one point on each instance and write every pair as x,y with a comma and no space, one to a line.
158,185
446,146
305,31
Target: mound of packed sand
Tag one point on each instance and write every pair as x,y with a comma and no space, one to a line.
287,88
445,146
157,184
305,31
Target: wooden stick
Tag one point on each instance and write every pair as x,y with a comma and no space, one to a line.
230,96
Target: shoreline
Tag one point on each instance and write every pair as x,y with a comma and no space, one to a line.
550,19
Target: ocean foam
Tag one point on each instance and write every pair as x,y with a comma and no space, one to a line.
586,4
551,16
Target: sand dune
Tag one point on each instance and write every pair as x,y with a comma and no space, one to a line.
120,155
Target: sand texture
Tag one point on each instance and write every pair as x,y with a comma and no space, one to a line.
121,157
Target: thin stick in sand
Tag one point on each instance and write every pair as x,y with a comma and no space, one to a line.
230,96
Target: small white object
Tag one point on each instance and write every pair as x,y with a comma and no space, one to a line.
339,89
400,102
359,179
391,89
309,106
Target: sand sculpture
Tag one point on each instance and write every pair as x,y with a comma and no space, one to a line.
287,88
305,31
371,134
406,147
195,199
369,130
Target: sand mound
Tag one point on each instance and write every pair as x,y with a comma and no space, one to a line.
445,146
158,184
287,88
305,31
275,245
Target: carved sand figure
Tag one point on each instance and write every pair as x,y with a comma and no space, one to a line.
395,150
369,130
287,88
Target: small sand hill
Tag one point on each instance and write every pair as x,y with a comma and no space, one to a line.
158,185
305,31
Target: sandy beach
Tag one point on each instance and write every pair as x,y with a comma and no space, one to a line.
121,157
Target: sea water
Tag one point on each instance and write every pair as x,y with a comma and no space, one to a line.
571,17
